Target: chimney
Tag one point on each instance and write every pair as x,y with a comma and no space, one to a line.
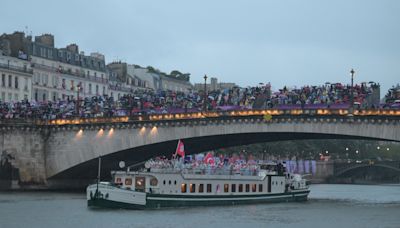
73,48
46,39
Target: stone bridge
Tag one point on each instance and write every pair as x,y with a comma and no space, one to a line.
341,169
52,153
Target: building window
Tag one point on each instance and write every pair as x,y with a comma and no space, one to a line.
104,90
45,79
260,188
9,96
16,97
183,188
90,88
44,97
209,187
128,181
3,80
226,187
97,89
50,53
247,188
192,188
201,187
253,187
233,188
9,81
26,97
26,84
3,96
240,187
36,95
16,82
42,52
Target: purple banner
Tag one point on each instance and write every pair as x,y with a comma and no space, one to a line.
313,167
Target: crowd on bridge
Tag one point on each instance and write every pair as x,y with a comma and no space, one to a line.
334,96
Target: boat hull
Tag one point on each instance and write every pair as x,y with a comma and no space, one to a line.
156,201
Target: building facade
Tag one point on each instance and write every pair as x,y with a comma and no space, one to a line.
58,73
16,79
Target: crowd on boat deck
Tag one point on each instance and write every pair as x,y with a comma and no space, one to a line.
140,102
211,164
208,164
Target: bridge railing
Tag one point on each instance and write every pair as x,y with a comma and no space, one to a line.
265,114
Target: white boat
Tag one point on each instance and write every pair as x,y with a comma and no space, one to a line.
182,186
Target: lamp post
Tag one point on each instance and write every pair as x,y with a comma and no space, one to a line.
77,99
205,94
351,91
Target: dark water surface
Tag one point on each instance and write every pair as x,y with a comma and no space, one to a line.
329,206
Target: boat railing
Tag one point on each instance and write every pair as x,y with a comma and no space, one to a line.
213,171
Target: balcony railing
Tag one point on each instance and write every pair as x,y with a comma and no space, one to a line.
80,74
16,68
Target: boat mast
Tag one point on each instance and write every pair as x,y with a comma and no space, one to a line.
98,176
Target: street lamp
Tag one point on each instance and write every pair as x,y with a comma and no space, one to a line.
205,94
351,90
77,99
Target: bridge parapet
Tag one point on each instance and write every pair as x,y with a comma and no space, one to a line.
341,168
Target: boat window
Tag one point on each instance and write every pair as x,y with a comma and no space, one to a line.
209,187
169,182
192,188
281,182
153,181
118,180
201,187
174,182
253,187
247,188
128,181
164,182
183,188
226,187
233,188
260,187
240,187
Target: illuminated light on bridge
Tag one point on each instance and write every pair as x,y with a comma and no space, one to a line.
142,130
154,131
111,132
79,134
100,132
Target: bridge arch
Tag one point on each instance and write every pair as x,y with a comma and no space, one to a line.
71,149
346,170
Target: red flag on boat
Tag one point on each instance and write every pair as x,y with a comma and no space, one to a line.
208,159
180,149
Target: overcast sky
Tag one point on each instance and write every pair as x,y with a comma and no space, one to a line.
285,42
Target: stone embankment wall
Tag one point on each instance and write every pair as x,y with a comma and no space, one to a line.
22,161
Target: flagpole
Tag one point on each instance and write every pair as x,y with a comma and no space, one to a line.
98,176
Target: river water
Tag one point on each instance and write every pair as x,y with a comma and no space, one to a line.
329,206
